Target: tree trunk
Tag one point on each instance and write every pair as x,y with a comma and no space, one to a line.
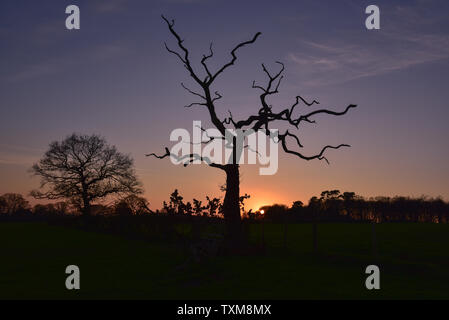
86,205
231,206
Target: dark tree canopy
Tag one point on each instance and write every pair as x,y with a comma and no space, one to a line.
84,169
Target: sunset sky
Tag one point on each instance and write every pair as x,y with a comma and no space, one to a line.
114,77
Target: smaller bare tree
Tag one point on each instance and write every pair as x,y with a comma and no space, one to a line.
134,204
11,203
84,169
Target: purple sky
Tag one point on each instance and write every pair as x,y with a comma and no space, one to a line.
114,77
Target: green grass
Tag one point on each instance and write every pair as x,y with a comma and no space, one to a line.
413,258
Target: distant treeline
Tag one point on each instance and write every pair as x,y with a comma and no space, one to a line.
347,206
331,205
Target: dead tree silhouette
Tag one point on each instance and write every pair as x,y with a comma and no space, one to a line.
260,121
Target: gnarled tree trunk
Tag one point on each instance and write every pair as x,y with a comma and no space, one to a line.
86,203
231,206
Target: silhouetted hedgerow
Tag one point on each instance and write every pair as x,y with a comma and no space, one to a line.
329,206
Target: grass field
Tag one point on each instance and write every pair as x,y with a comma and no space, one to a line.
413,259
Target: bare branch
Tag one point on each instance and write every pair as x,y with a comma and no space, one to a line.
166,154
184,59
319,156
234,57
251,149
296,103
294,137
229,119
218,96
211,138
254,86
335,113
193,92
189,157
267,90
203,62
195,104
175,53
305,102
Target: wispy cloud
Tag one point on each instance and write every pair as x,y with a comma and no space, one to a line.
337,61
411,36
